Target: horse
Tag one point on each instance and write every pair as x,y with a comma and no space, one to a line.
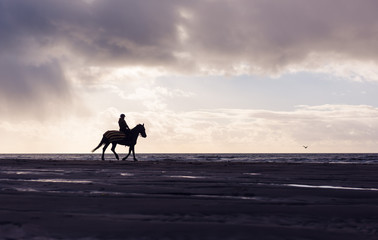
116,137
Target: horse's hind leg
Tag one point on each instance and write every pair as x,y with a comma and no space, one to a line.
103,150
113,150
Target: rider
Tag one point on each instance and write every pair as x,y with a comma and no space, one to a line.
123,127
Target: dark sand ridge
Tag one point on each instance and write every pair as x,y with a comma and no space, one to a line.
183,200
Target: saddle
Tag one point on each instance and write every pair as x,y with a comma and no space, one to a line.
126,134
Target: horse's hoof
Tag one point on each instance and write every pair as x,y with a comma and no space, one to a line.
135,160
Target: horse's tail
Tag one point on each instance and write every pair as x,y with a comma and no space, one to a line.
99,145
109,137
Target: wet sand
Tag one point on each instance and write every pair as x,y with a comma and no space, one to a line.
187,200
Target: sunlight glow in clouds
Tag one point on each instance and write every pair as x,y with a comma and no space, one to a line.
204,76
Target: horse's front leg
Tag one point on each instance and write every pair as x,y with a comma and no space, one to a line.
123,159
133,149
113,150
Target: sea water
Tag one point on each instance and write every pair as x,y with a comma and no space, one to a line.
341,158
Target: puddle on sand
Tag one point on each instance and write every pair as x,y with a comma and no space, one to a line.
320,186
186,176
331,187
252,174
58,180
127,174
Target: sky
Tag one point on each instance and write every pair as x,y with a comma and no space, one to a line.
204,76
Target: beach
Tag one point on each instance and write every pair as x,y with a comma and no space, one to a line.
57,199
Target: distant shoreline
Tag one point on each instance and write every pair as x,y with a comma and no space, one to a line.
344,158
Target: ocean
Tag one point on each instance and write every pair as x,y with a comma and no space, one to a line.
336,158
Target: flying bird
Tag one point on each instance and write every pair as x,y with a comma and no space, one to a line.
305,147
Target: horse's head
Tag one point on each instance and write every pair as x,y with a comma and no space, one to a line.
142,130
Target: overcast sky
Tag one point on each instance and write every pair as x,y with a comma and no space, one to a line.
204,76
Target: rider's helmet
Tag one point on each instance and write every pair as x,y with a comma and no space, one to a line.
122,115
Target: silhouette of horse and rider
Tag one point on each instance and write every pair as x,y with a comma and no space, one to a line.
125,136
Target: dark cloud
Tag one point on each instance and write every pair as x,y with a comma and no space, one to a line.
273,34
40,38
121,32
32,83
146,32
32,90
